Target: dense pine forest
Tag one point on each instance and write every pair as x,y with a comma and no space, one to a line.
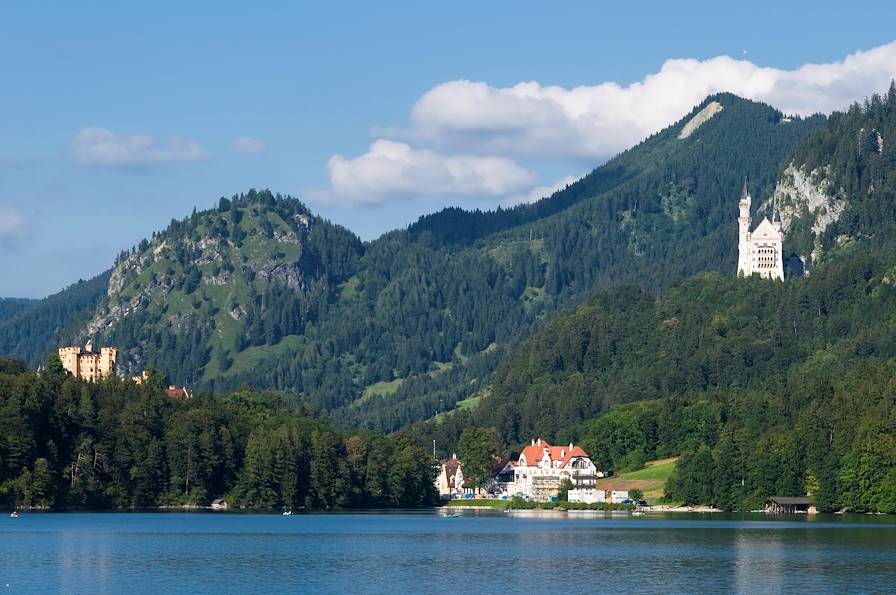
65,443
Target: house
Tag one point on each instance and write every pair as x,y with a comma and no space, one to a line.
587,496
503,477
790,505
618,496
591,496
450,478
541,468
174,392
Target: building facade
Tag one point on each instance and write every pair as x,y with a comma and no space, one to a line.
88,364
450,478
541,468
761,250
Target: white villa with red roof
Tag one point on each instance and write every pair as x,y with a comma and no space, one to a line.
541,467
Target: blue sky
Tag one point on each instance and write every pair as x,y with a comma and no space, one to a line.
118,117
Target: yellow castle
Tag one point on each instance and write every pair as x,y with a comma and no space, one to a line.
88,365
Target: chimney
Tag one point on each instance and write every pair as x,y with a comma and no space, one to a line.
562,453
570,447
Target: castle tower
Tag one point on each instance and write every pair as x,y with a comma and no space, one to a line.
69,358
106,364
743,241
761,250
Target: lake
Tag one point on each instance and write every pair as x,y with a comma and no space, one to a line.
418,551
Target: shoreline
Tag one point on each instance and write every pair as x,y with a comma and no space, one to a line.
644,509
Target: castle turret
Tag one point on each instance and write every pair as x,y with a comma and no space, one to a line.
743,242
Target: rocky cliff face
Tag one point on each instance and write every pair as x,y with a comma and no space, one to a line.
808,202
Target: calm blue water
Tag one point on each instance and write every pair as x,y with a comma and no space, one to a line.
480,552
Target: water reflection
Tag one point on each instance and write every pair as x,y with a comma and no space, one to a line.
498,552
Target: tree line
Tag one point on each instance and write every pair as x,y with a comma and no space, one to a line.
65,443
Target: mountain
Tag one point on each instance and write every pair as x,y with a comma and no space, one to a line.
837,187
662,210
762,387
259,291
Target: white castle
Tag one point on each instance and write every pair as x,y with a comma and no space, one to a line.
759,251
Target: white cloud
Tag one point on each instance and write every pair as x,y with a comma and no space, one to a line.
595,121
99,146
489,127
248,145
539,192
13,227
392,169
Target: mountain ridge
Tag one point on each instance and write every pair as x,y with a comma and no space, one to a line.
429,311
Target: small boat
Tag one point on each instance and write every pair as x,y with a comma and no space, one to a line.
638,513
14,514
452,515
286,513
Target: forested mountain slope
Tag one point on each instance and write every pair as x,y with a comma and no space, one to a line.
261,292
838,187
662,210
762,387
9,307
33,330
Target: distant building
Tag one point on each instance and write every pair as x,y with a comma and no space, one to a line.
790,505
587,496
143,377
503,477
536,474
87,364
591,496
618,496
181,393
450,478
541,467
759,251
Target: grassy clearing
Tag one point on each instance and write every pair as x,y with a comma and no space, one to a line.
651,480
659,470
380,389
468,403
252,356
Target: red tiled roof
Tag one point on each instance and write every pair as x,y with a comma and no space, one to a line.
177,393
563,454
